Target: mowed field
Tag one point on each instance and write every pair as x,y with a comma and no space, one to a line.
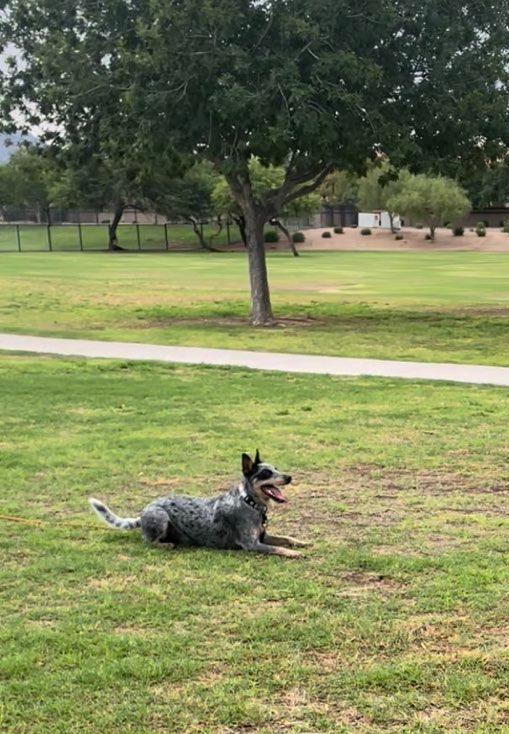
394,621
429,306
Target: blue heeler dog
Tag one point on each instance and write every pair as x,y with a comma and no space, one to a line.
235,520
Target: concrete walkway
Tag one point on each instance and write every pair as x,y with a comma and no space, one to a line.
309,364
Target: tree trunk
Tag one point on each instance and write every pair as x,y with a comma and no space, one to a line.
261,308
391,221
241,224
255,215
199,234
113,245
277,223
432,232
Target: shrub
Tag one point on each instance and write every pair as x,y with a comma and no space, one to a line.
482,225
298,237
271,236
365,231
458,231
505,227
418,226
326,234
399,236
427,236
338,230
480,231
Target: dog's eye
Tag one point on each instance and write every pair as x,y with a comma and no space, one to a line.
264,474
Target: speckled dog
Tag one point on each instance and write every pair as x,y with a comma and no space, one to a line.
233,521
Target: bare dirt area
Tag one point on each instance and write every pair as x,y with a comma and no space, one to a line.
413,240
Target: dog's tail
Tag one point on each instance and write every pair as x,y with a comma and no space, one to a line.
109,517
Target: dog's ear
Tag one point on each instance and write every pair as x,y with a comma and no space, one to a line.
257,458
247,465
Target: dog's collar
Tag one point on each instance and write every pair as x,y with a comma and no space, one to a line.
252,503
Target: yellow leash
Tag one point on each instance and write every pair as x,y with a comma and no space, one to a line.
41,523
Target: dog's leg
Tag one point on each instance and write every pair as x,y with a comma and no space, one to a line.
154,527
284,540
164,546
274,550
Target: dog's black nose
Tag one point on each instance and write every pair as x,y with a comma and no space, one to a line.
288,479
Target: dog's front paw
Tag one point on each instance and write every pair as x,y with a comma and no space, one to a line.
289,553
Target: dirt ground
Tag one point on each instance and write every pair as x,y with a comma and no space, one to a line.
351,239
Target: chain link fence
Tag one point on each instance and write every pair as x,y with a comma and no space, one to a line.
80,237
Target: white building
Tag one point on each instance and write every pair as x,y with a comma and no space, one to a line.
378,220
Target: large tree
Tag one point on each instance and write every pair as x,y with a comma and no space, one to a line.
309,86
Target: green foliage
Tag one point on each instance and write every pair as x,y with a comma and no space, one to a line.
431,199
263,179
338,230
188,196
380,185
326,234
340,187
505,227
31,179
458,231
271,236
366,231
299,237
480,230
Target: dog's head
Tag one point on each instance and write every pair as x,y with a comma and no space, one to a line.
263,481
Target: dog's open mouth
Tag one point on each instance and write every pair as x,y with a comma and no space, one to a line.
274,493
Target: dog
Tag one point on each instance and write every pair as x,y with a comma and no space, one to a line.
235,520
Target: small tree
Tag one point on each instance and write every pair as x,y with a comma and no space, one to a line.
378,188
31,179
430,199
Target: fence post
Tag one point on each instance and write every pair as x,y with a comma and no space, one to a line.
166,236
138,235
80,236
50,244
18,238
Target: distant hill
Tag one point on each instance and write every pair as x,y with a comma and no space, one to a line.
7,150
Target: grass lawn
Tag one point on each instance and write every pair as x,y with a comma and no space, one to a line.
34,238
394,622
431,306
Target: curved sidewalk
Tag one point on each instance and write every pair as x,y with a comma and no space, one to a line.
303,363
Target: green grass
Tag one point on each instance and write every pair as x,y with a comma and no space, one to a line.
34,238
395,621
432,306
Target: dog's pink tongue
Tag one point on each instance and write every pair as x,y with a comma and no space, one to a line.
276,493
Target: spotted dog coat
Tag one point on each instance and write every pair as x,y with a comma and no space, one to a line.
235,520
